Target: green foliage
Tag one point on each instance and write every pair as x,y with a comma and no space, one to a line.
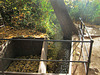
48,18
88,11
34,14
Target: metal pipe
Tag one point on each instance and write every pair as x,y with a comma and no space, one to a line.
42,60
84,59
85,28
47,40
89,58
88,34
86,50
82,38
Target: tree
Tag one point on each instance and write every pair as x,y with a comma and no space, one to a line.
64,19
67,26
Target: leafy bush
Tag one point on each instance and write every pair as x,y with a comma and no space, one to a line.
88,11
35,14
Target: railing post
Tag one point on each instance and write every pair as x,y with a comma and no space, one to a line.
81,25
89,58
83,29
2,66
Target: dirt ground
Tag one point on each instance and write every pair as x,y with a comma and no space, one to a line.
94,69
95,57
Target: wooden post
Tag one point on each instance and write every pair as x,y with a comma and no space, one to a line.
42,65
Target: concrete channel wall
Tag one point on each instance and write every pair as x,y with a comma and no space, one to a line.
15,48
12,49
6,52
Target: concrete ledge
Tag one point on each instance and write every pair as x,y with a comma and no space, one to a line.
43,65
23,73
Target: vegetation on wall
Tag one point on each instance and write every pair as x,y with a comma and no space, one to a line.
34,14
88,11
38,15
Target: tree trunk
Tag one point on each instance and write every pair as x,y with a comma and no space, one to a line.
67,27
63,18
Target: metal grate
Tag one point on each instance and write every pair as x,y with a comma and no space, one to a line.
82,30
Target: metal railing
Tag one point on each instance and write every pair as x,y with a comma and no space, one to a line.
82,29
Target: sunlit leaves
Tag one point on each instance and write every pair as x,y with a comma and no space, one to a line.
35,14
1,2
87,11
